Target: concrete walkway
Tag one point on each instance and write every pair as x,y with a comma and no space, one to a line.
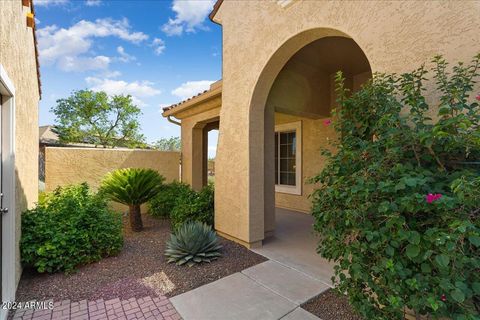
274,289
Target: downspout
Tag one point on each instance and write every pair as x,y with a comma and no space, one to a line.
178,123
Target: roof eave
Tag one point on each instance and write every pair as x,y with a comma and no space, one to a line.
207,96
214,11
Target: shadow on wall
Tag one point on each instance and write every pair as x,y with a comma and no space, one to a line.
21,204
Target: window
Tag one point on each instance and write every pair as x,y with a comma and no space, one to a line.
288,158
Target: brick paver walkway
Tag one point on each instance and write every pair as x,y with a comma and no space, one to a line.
148,308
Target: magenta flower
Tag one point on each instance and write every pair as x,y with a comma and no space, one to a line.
432,197
327,122
443,298
478,97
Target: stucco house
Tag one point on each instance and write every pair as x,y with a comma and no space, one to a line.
273,103
19,94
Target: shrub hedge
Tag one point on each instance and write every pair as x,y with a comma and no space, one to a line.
163,203
194,206
70,226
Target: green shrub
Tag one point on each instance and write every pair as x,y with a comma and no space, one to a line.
398,204
193,242
194,206
132,187
163,203
69,227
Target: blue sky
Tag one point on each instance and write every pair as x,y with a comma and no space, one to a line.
160,52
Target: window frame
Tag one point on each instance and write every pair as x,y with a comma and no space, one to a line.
289,127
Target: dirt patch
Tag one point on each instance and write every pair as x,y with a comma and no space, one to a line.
139,270
331,306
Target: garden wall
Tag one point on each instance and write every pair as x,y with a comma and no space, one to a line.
65,166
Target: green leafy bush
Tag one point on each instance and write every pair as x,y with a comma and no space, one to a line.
398,204
132,187
194,206
69,227
193,242
163,203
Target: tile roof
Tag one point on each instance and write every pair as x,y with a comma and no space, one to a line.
215,9
36,51
213,86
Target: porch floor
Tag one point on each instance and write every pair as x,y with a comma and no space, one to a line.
294,245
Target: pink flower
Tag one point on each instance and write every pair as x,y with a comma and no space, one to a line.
443,297
432,197
327,122
478,97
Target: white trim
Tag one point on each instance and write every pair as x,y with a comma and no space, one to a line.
6,85
297,127
7,90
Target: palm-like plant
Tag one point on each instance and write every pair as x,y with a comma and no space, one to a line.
194,242
132,187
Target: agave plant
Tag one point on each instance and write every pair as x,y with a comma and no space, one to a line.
132,187
194,242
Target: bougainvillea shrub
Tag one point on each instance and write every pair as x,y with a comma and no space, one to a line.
397,206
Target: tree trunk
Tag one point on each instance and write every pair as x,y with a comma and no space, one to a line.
135,218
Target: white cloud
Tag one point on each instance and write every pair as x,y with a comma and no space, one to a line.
191,88
111,74
158,45
49,2
189,16
60,46
124,57
81,64
137,89
93,3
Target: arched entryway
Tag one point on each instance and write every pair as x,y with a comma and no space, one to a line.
292,102
296,109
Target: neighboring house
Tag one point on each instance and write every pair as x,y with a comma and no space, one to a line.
20,94
273,106
47,136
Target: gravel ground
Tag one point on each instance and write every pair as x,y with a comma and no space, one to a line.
331,306
139,270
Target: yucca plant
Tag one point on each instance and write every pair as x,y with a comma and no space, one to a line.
132,187
194,242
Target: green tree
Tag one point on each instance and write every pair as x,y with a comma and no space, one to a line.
132,187
95,118
168,144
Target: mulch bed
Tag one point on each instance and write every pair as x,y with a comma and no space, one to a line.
123,276
331,306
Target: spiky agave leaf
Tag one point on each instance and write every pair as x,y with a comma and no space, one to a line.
194,242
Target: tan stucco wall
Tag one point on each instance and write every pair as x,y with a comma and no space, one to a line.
65,166
17,56
315,137
193,146
258,39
